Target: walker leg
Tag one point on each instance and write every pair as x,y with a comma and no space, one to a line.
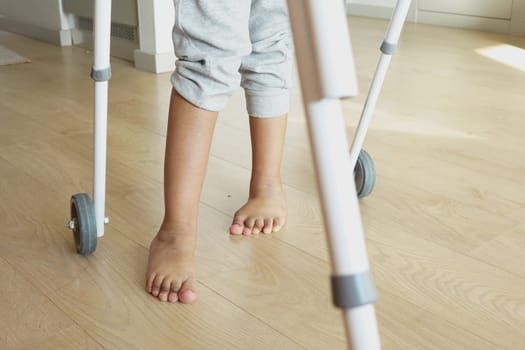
101,73
387,50
326,70
87,216
352,285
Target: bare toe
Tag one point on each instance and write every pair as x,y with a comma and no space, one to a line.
248,226
236,228
173,296
174,289
237,225
157,282
268,226
187,292
277,224
164,290
149,282
259,224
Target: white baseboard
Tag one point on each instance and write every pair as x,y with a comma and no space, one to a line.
119,47
437,18
155,63
54,36
377,11
368,11
462,21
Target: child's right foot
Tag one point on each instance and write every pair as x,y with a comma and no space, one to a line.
170,274
265,210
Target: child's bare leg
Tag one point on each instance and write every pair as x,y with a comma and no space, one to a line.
170,273
265,210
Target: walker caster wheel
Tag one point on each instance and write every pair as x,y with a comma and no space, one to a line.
83,223
364,174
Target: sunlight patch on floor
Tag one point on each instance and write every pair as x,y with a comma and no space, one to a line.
506,54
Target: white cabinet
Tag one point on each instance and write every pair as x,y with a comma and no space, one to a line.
504,16
482,8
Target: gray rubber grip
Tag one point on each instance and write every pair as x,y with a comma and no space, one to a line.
351,291
101,74
388,48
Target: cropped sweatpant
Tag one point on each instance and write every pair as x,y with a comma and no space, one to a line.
223,44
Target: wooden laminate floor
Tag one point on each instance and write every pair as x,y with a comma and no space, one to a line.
445,225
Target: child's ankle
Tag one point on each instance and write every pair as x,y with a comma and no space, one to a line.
264,183
177,227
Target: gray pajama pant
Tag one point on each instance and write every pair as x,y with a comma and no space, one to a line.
224,44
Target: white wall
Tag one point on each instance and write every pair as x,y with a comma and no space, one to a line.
41,19
42,13
504,16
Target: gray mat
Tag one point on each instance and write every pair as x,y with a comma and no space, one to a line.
10,57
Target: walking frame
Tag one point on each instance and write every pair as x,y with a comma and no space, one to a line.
327,74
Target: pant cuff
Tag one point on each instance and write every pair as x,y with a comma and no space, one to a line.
194,94
267,106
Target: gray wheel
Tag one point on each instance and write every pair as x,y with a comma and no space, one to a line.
364,174
83,223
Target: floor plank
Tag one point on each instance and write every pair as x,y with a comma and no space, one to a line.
28,316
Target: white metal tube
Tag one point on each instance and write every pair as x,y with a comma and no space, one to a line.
315,52
398,20
361,322
99,139
335,176
332,48
102,35
321,36
369,107
341,212
301,29
392,37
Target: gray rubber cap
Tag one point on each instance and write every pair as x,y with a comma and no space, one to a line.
388,48
101,74
351,291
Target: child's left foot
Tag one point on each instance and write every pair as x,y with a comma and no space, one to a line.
264,212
